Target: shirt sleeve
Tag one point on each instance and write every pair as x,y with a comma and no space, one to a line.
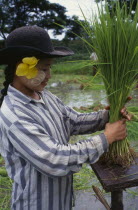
84,123
35,145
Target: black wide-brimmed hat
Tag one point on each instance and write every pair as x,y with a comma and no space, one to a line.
30,41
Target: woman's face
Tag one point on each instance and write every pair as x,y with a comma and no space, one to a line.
40,81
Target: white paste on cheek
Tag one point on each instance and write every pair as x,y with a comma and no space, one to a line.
38,79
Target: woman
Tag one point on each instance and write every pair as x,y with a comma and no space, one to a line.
36,126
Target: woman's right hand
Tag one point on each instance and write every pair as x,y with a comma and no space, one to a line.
115,131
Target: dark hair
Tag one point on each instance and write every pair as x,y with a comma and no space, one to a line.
9,75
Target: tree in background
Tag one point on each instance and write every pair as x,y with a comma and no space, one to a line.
74,26
131,5
17,13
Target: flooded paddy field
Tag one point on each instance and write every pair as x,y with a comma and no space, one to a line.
73,95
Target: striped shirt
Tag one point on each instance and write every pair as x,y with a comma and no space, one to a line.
38,158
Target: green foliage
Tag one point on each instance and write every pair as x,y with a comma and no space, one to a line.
132,192
1,160
130,5
3,171
5,187
132,126
75,29
132,129
76,67
134,111
42,13
78,46
83,179
115,44
76,57
30,12
5,192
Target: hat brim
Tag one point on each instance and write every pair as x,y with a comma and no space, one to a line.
11,54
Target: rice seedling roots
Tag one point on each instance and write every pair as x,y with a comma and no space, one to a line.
123,160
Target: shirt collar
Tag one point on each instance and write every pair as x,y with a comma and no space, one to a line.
19,96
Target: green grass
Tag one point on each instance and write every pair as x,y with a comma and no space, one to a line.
5,187
83,179
5,192
114,39
73,67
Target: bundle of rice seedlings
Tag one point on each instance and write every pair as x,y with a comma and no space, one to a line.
115,41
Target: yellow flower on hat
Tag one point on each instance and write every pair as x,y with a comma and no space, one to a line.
27,67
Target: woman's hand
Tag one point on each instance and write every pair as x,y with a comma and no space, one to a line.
124,111
125,114
115,131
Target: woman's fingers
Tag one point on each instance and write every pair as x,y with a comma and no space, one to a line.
125,114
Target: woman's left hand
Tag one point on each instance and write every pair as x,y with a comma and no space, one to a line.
124,111
125,114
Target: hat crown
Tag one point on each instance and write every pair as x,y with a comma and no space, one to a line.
31,36
28,41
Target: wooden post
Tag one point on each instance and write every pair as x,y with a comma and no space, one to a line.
117,200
